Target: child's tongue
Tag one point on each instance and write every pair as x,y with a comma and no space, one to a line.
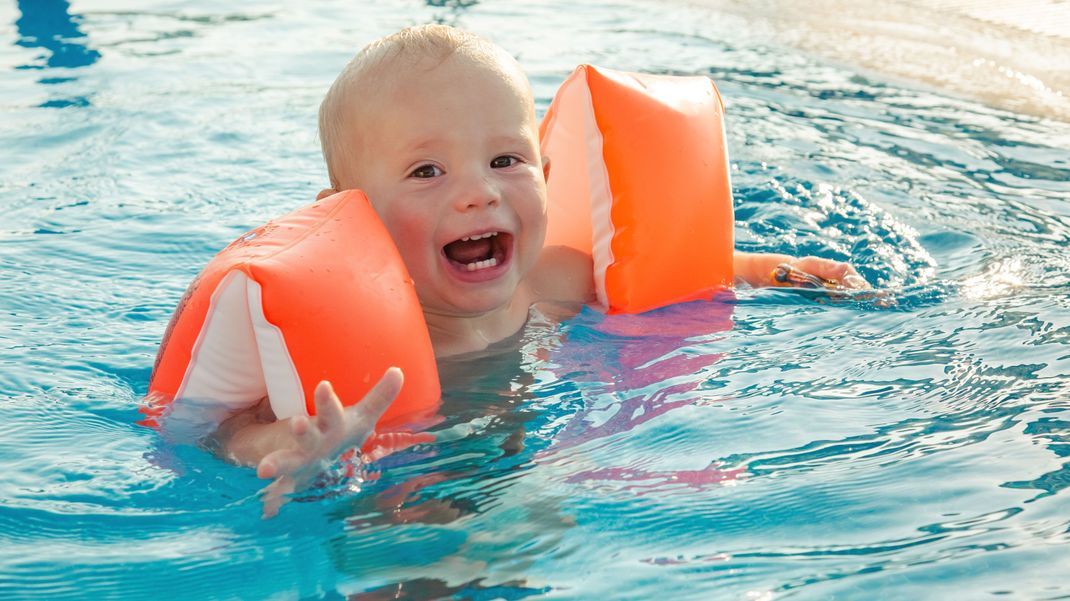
469,251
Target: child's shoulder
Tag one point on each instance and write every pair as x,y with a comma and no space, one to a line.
562,274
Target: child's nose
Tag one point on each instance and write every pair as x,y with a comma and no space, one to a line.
479,191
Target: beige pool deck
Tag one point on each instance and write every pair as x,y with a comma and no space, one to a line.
1012,54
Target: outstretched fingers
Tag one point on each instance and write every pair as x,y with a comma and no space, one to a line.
320,439
277,493
366,413
305,434
290,462
328,407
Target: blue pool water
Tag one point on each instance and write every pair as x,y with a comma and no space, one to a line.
766,446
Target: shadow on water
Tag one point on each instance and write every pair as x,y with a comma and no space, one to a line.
453,10
433,588
49,25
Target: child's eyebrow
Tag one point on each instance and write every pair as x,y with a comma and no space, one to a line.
511,139
424,144
496,142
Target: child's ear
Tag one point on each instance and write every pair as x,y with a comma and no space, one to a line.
546,168
324,193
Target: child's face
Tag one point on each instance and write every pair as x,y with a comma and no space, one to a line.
449,156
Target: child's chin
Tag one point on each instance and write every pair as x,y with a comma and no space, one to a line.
484,301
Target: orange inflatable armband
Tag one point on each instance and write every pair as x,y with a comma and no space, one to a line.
319,294
639,179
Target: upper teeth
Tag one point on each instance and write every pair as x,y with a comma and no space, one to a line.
479,236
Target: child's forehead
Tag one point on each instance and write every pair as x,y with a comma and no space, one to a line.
430,72
459,101
431,83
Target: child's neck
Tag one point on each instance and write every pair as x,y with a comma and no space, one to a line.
458,334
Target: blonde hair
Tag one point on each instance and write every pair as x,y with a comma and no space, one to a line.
412,46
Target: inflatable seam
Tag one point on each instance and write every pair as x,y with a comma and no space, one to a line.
199,372
202,334
601,195
274,358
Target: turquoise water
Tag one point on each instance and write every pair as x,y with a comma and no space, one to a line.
766,446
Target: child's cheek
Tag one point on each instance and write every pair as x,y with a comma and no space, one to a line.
412,231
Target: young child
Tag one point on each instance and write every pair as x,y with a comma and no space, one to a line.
437,126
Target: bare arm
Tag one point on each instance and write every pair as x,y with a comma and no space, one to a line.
756,269
563,274
247,437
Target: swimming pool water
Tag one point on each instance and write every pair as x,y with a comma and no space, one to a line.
768,445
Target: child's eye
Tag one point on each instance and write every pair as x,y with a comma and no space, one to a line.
504,161
426,172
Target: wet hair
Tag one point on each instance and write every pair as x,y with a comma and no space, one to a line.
407,48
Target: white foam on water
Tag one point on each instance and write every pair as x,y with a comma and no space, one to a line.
1010,55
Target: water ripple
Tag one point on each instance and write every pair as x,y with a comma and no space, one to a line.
911,444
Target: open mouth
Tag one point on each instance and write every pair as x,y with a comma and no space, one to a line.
479,252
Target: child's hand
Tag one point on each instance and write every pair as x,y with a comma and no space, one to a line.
836,272
320,439
764,269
